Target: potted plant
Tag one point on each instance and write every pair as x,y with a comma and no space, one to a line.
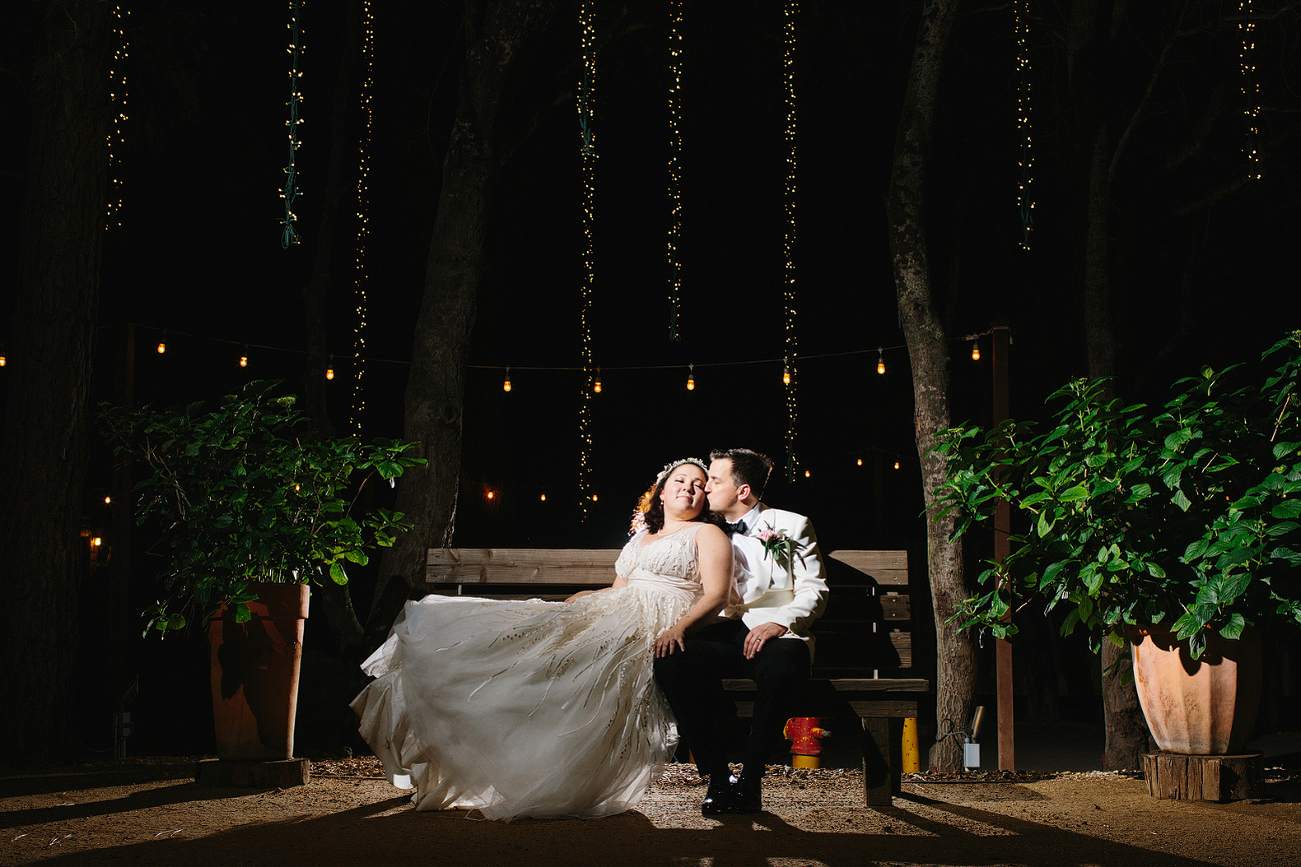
249,510
1176,526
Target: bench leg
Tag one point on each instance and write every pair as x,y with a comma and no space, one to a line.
882,759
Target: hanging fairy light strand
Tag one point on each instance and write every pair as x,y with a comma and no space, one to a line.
1025,197
363,216
675,164
289,234
587,152
1250,87
117,95
788,291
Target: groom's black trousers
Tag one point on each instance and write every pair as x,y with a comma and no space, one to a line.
691,681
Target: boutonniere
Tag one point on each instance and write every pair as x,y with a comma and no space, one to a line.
782,548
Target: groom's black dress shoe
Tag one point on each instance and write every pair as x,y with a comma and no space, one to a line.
718,797
747,794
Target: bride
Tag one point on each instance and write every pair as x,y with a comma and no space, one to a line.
543,709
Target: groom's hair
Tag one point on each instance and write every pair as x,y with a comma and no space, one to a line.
748,467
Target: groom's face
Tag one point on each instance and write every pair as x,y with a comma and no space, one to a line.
722,489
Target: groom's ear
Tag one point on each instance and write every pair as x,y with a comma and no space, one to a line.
742,492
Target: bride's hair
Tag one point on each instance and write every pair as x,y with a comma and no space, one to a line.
650,508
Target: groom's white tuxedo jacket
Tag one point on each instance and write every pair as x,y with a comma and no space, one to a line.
772,592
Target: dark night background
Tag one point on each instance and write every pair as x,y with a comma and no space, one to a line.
198,255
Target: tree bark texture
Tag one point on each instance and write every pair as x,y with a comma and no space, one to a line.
929,356
495,60
43,442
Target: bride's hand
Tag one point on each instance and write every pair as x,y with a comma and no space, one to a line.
579,595
669,639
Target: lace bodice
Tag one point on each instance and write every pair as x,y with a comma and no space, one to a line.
673,556
668,563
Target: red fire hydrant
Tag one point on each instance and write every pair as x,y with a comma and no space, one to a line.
805,738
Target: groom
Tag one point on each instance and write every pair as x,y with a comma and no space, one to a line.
764,637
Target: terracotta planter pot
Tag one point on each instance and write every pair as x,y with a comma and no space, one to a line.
255,669
1198,707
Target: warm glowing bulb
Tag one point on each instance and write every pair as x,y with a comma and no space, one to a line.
880,361
162,347
544,498
492,495
96,542
593,498
807,474
108,500
596,386
243,361
329,373
860,462
786,374
975,351
896,465
3,361
691,377
505,386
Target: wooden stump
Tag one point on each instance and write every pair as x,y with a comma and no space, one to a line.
1179,777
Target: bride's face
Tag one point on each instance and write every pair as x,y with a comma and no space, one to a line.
684,492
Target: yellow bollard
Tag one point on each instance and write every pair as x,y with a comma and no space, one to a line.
911,763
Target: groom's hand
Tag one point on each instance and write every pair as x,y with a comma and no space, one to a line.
759,636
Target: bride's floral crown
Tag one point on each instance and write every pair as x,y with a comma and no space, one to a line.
647,499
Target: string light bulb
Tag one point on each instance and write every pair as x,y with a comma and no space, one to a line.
1025,195
807,474
896,465
492,495
4,359
162,344
596,386
880,360
288,233
108,500
786,373
505,385
675,164
587,157
329,369
691,377
543,498
788,246
361,275
243,359
975,349
860,462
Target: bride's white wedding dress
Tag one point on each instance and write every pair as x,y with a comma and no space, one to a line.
533,708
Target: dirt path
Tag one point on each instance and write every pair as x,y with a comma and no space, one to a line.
152,812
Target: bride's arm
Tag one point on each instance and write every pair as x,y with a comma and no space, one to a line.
714,556
618,582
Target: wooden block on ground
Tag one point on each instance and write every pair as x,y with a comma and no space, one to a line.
282,774
1178,777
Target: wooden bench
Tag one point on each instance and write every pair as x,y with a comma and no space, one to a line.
863,655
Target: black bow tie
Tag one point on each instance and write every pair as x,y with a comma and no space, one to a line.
737,528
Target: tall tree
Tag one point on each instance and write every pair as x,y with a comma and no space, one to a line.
43,442
501,38
928,353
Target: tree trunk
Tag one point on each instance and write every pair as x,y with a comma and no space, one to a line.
497,33
929,355
43,443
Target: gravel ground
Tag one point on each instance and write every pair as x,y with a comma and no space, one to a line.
151,811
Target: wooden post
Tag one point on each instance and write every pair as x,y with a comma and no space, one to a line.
1002,547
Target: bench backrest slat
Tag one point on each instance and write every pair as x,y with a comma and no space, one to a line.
866,630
